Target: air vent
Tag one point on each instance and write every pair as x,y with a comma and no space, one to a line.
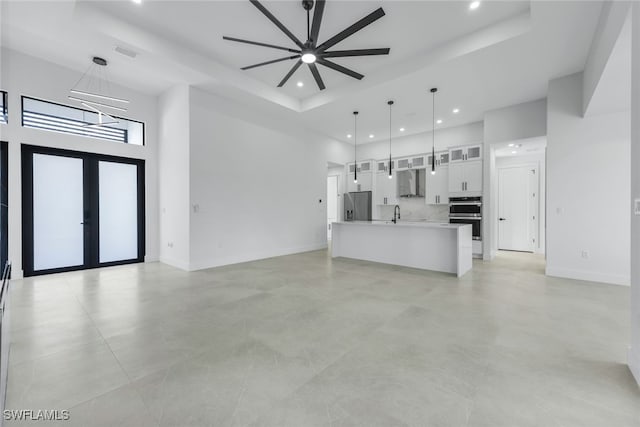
126,52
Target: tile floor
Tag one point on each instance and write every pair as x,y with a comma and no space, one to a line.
305,340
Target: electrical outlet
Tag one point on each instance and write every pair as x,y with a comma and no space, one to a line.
585,254
170,244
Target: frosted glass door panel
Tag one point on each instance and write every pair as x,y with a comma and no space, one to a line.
58,233
118,201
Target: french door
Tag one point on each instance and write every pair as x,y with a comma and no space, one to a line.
80,210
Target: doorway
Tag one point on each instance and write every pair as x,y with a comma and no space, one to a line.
332,202
517,208
80,210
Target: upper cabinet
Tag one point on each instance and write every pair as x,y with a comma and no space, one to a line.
365,176
463,154
465,179
413,162
383,166
442,159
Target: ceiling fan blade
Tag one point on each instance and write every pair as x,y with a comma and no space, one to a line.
318,10
340,68
316,75
273,61
277,23
370,18
290,73
355,52
233,39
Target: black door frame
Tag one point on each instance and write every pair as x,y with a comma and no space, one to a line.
91,208
4,202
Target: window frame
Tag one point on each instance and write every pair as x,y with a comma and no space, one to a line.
23,97
5,108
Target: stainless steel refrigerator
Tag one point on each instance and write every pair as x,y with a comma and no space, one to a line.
357,206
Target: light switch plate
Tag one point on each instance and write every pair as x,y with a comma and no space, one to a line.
636,207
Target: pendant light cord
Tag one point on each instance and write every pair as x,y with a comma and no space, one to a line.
433,131
355,145
390,167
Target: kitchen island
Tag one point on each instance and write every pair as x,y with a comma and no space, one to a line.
427,245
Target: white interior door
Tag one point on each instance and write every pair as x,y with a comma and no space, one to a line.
332,202
514,217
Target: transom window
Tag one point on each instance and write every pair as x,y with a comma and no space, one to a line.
54,117
3,106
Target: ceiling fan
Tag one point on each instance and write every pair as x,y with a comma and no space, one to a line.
312,52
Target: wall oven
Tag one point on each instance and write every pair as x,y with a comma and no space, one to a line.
467,210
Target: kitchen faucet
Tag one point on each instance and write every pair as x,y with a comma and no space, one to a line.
396,209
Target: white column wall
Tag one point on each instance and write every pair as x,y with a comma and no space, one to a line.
588,178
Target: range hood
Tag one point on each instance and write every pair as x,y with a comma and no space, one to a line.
411,183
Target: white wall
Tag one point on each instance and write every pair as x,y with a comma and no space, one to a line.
421,142
173,177
634,353
505,162
29,76
521,121
255,186
588,176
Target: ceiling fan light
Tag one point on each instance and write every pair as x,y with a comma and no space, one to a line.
308,58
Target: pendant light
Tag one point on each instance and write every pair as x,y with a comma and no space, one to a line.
433,132
92,91
355,143
390,103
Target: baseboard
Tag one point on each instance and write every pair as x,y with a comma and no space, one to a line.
590,276
634,365
246,257
182,265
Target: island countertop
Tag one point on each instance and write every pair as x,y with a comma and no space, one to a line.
437,246
401,223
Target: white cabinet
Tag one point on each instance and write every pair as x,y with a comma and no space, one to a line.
385,189
365,176
411,162
442,159
437,191
465,178
463,154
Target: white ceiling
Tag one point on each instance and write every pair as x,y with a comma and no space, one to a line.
501,54
613,93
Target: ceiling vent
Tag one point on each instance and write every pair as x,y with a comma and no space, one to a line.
126,52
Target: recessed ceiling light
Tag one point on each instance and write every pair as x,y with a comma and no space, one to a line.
511,145
474,5
456,110
401,129
299,84
513,152
348,135
371,135
439,121
137,1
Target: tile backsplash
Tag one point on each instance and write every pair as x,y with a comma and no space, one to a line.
414,208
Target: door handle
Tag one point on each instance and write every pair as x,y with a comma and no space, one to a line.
502,219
